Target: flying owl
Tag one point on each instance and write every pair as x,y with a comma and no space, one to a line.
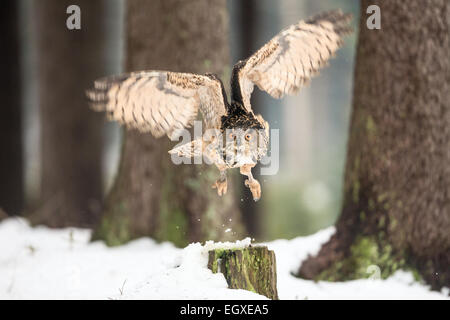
165,103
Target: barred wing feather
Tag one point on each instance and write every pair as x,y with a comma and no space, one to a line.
287,62
159,102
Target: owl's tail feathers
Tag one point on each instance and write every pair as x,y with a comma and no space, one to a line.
189,150
341,21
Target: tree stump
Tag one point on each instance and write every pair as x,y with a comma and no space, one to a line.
250,268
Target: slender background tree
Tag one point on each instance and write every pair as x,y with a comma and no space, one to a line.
396,211
11,153
152,196
68,62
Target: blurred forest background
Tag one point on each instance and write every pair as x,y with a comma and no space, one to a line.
49,147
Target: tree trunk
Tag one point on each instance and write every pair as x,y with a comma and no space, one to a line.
151,196
3,215
396,211
11,172
247,21
252,268
69,60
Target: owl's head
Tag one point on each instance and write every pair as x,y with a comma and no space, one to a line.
245,145
245,134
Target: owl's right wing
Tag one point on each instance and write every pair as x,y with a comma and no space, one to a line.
290,59
159,102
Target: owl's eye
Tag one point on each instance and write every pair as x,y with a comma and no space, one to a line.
248,137
231,135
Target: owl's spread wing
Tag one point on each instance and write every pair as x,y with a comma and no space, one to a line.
293,56
159,102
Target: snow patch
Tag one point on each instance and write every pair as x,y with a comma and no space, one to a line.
43,263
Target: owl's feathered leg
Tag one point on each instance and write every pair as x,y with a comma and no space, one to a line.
221,183
251,182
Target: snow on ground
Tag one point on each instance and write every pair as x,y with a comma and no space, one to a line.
42,263
290,253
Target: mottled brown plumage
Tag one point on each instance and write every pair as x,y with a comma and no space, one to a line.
163,102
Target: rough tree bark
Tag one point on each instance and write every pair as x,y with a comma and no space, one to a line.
69,60
251,268
396,211
11,173
151,196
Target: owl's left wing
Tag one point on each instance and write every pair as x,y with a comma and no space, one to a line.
161,102
293,56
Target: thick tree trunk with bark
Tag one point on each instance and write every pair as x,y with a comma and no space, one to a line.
11,173
396,211
68,62
152,196
251,268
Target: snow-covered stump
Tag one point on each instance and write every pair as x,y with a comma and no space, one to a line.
249,268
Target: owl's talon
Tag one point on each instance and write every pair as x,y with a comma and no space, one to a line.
255,188
221,186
